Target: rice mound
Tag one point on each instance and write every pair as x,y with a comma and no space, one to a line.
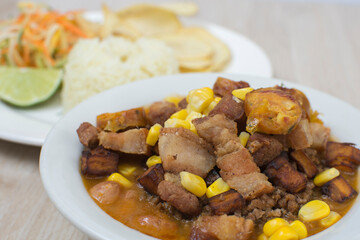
94,65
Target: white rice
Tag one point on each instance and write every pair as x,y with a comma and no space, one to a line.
94,66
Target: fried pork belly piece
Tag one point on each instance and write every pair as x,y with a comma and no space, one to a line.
226,203
251,185
159,112
263,148
281,173
338,189
222,228
179,198
217,129
183,103
304,163
182,150
301,136
320,135
131,141
236,164
234,161
151,178
88,135
105,192
223,86
99,162
230,106
343,156
119,121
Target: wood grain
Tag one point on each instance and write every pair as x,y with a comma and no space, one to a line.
317,45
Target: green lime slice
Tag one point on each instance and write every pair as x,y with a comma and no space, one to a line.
25,87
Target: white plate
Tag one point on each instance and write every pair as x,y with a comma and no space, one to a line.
31,125
60,154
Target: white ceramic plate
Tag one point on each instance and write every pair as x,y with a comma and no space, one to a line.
31,125
59,160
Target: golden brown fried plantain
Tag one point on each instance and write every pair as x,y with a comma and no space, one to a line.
226,202
304,163
151,178
119,121
343,156
271,111
338,189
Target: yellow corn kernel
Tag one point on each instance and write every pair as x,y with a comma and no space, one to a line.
241,93
244,137
153,160
330,220
300,228
217,187
193,115
182,114
174,99
314,210
285,233
273,225
153,135
199,99
176,123
262,237
117,177
212,105
326,176
193,183
126,169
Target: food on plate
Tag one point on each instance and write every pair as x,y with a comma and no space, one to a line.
25,87
196,49
189,169
113,61
181,8
38,37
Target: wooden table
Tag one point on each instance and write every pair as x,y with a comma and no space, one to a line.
317,45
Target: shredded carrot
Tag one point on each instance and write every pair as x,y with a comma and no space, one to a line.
38,23
71,27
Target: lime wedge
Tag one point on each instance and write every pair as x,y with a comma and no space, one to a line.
24,87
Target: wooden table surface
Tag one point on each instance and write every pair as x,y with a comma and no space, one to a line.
317,45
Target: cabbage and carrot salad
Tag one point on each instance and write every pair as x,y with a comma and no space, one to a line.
38,37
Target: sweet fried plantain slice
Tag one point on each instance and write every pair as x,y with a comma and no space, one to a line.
343,152
304,163
132,118
151,178
271,111
338,189
226,202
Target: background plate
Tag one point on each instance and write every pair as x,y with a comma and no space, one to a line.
31,125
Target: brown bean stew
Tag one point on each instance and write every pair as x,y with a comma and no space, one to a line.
229,162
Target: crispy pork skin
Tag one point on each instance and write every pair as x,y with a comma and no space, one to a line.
263,148
182,150
230,106
236,164
217,129
159,112
178,197
281,173
301,136
131,141
320,135
222,227
151,178
338,189
223,86
99,162
105,192
251,185
120,121
88,135
226,203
